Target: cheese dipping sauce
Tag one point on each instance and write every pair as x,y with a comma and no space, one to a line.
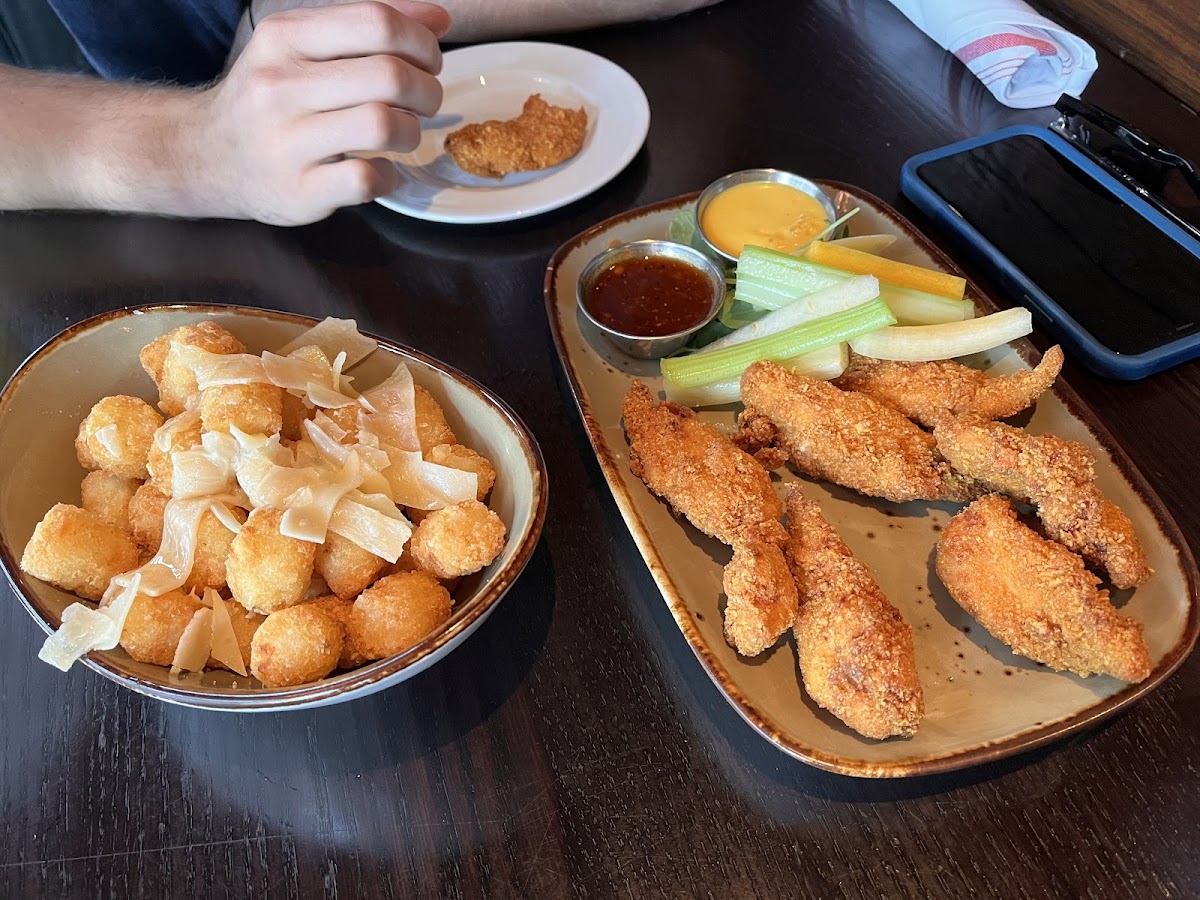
650,297
764,213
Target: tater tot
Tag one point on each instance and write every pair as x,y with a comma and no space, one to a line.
155,625
296,645
253,408
177,433
146,516
432,427
245,624
396,612
294,412
339,610
176,381
346,567
346,418
457,540
76,550
116,436
456,456
213,543
267,571
108,496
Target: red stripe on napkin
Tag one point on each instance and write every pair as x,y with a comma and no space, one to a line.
978,48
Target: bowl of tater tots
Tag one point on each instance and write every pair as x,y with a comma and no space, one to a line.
233,508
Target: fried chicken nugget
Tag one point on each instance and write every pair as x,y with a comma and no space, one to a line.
841,436
296,645
725,493
108,496
116,436
932,392
1036,595
457,540
541,137
268,571
855,649
155,624
176,381
1058,477
74,549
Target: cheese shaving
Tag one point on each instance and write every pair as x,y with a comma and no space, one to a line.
309,520
294,373
213,369
195,644
108,437
225,516
425,485
335,336
320,395
225,648
394,420
165,435
372,522
207,469
84,629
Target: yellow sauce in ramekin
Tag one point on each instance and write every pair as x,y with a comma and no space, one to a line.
765,213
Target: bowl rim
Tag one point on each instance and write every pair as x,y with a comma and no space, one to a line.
358,681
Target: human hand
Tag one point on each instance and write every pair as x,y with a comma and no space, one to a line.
312,85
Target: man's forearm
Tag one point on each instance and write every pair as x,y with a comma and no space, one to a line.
71,142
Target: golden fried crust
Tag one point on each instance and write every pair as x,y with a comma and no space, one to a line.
116,436
296,645
932,392
432,427
155,624
175,434
457,540
843,437
339,609
541,137
108,496
761,598
694,467
1058,477
1036,595
76,550
346,567
213,543
266,570
397,612
253,408
855,649
176,381
145,510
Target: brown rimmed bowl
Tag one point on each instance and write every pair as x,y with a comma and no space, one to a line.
50,394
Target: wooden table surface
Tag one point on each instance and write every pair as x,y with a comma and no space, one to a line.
573,746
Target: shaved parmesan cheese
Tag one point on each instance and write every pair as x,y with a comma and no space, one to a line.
195,644
221,368
84,629
225,516
320,395
378,528
108,437
327,425
335,336
394,420
310,521
294,373
225,649
165,435
425,485
208,469
172,564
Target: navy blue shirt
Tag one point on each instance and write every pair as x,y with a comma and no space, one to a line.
181,41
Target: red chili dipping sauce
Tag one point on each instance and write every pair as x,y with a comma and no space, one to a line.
650,297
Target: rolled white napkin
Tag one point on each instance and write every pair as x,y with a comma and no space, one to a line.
1023,58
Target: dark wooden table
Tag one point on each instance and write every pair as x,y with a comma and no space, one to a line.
573,746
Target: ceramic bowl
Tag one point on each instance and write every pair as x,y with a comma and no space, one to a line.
51,393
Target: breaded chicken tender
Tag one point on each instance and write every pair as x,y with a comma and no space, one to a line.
840,436
726,494
1058,477
108,496
176,381
932,392
266,570
338,609
457,540
541,137
295,645
213,544
155,624
855,649
116,436
396,613
74,549
346,567
182,432
254,408
456,456
245,624
1036,595
432,427
146,509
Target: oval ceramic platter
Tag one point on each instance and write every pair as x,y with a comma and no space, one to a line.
982,702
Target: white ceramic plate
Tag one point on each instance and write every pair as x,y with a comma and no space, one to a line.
982,702
492,81
47,397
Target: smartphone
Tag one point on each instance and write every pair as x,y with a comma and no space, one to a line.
1105,272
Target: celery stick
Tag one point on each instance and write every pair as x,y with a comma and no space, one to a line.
728,362
921,343
825,364
813,306
773,280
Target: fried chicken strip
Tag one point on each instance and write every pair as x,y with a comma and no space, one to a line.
726,494
1036,595
855,649
1058,477
540,137
841,436
932,392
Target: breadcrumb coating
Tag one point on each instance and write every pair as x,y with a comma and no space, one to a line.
295,645
74,549
266,570
116,436
396,613
540,137
457,540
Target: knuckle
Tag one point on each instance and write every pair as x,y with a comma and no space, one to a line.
383,19
377,124
362,181
395,76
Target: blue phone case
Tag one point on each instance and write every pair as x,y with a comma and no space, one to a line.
1097,356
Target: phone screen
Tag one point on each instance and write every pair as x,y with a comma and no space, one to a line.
1114,272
